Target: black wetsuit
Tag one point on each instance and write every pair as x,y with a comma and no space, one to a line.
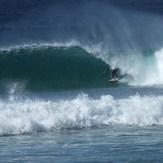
114,73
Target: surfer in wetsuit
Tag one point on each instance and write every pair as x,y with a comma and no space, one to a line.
113,73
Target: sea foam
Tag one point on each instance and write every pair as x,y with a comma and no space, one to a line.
37,115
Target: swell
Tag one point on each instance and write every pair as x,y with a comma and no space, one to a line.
44,68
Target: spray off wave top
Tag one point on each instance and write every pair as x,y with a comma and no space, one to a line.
74,66
117,33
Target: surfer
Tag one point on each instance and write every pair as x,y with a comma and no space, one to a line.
114,73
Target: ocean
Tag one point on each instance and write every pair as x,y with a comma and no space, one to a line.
56,102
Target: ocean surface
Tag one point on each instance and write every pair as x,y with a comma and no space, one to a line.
56,102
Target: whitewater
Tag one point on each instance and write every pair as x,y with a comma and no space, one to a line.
84,125
38,115
56,102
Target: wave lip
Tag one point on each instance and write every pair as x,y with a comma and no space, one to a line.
33,116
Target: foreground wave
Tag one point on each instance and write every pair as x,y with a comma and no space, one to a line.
33,116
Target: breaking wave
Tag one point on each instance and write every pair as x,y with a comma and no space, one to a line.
32,116
69,44
73,66
51,67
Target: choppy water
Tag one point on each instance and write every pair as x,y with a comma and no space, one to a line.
97,125
113,144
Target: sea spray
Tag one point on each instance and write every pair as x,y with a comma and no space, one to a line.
20,116
159,72
147,69
72,65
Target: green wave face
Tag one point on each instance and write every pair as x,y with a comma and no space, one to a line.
51,68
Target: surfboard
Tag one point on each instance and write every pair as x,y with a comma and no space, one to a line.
114,79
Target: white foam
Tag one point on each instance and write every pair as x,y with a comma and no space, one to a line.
40,44
159,62
143,70
29,116
149,70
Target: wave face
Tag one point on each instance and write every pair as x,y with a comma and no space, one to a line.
33,116
50,68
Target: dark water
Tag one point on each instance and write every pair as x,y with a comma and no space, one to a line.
115,144
51,68
56,104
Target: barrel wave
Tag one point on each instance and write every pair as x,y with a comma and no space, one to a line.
109,33
51,68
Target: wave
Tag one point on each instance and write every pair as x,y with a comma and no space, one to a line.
18,116
145,67
49,67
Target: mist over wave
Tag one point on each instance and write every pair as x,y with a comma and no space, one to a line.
116,25
18,116
70,65
123,34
